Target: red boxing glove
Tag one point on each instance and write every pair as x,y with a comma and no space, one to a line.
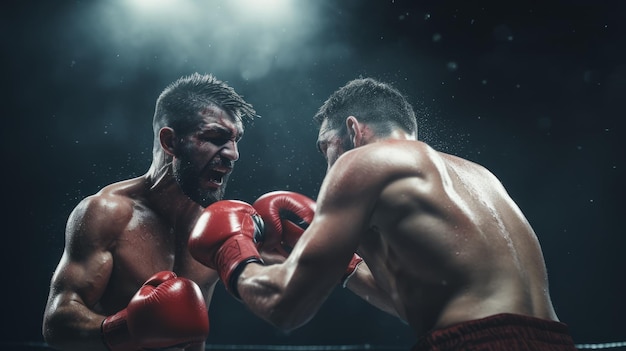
286,215
167,311
224,238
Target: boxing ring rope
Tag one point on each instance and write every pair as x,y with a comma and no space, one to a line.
608,345
40,346
619,345
304,347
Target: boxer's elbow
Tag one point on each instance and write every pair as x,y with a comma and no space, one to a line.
270,302
48,334
51,328
64,329
269,293
287,318
53,333
290,311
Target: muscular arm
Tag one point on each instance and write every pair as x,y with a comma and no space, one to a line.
289,294
80,279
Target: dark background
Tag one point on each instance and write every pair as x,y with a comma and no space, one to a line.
532,90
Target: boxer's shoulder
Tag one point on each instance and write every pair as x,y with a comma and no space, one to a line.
101,216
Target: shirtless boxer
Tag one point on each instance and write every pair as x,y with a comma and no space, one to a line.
136,231
446,249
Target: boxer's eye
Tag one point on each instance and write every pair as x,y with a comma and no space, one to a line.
218,137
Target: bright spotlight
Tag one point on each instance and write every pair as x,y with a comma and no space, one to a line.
263,10
251,37
152,6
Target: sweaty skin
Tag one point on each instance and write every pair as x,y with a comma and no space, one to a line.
119,237
442,241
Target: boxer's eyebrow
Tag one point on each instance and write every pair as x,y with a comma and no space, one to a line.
219,134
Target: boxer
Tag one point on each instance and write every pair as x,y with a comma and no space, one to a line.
107,291
444,246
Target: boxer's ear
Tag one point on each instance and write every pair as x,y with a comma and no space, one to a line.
355,132
167,138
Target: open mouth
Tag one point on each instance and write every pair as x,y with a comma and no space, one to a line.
216,177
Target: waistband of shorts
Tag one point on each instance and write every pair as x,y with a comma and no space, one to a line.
500,326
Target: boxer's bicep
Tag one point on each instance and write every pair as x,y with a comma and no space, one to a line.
87,261
84,269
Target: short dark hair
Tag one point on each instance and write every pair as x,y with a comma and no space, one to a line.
370,101
179,104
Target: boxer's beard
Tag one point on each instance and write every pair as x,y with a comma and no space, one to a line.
187,177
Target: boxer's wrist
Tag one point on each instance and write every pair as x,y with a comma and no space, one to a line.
231,259
233,281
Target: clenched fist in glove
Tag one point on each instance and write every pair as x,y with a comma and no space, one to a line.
167,311
286,216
